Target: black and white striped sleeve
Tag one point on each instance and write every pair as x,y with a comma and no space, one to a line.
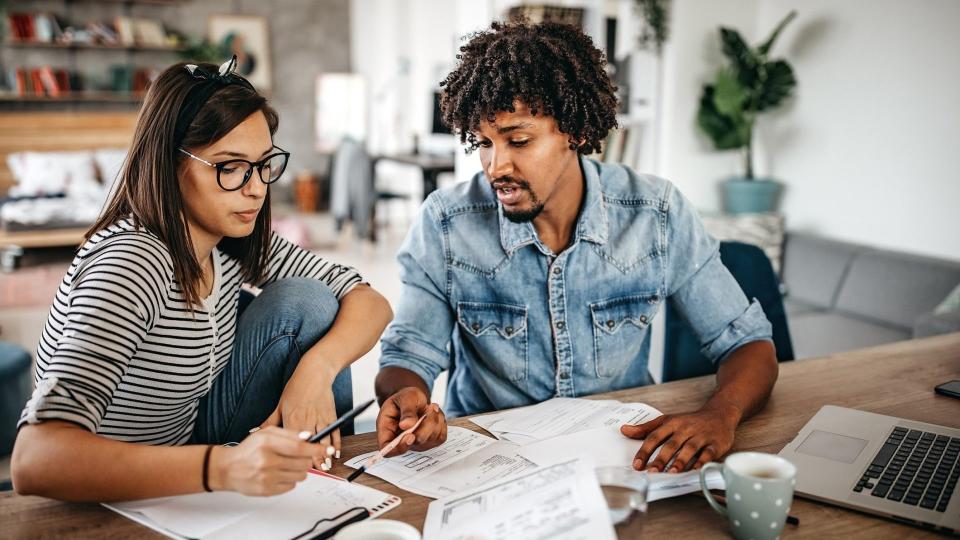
288,260
107,311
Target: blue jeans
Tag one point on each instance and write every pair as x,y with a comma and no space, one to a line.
273,330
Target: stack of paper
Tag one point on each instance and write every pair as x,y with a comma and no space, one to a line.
547,433
561,501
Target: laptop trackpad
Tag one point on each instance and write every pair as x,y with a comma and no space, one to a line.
832,446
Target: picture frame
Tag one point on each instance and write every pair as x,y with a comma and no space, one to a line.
247,36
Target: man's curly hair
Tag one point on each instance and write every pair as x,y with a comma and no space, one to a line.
552,68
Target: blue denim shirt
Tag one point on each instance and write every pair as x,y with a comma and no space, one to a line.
516,324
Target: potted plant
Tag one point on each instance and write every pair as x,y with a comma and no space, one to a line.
752,83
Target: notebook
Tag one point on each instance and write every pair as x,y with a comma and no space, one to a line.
316,508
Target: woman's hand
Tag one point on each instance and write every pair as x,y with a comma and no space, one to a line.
268,462
306,404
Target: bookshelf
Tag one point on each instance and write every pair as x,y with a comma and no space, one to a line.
76,97
94,46
42,64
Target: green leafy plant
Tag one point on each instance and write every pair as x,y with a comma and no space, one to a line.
201,50
655,30
752,83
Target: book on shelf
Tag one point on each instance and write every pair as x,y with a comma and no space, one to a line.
35,83
43,81
632,147
149,33
623,145
49,82
103,33
21,26
36,27
124,29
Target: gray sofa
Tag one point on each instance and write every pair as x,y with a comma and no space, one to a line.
841,296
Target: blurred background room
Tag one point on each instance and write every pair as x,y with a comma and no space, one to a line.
825,132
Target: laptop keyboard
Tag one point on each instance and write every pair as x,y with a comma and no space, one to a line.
914,467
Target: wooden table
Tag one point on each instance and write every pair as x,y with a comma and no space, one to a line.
895,379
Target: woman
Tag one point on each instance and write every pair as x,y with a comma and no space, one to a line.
145,365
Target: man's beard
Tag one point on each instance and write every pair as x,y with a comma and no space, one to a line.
521,216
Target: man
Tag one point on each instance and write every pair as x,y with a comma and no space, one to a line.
540,276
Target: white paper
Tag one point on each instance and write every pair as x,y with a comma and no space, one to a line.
606,446
558,416
232,515
610,448
666,485
465,460
561,501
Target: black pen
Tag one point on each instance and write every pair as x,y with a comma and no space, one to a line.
339,422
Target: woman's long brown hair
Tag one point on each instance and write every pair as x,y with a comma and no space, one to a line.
148,188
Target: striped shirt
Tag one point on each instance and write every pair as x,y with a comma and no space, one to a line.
122,355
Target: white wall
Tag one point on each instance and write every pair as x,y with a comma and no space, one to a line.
868,149
691,57
871,149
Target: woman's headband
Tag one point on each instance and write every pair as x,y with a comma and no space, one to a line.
200,93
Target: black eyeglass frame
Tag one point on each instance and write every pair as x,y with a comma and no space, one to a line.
253,164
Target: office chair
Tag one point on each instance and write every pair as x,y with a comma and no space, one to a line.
751,268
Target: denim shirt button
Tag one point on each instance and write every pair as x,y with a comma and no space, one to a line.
557,270
475,326
611,324
508,330
643,319
560,325
564,375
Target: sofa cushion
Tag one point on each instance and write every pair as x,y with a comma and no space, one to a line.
821,334
934,324
48,173
813,268
896,288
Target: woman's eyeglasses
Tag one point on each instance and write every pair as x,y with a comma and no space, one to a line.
233,174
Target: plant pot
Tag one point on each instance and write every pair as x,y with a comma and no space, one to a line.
742,196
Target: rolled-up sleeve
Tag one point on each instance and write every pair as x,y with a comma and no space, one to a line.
418,338
703,290
110,308
287,260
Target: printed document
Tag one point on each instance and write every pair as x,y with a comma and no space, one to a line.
560,501
610,448
465,460
559,416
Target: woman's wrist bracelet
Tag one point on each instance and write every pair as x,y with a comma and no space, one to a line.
206,468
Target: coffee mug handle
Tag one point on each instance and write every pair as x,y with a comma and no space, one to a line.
706,492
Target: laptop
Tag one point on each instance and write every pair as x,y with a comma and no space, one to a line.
879,464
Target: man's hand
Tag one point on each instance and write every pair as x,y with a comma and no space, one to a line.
401,411
691,440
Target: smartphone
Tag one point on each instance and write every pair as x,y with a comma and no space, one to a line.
951,389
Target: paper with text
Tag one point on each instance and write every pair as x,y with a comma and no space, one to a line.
465,460
560,416
560,501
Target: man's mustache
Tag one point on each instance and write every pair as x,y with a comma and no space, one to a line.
509,182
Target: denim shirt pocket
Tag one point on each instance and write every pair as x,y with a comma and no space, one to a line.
498,332
619,328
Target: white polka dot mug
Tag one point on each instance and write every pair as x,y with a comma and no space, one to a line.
759,493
